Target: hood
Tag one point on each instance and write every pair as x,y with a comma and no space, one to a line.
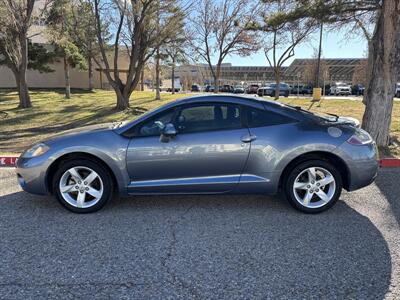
85,129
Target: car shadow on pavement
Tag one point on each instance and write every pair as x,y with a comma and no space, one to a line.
388,183
219,247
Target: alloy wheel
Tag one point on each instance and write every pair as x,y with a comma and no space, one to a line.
81,187
314,187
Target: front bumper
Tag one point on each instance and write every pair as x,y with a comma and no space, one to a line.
31,174
344,92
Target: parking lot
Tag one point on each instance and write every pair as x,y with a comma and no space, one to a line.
219,247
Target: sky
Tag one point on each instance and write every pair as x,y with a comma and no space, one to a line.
334,45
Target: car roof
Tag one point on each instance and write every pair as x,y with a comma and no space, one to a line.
250,100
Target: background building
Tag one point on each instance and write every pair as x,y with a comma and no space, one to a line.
332,70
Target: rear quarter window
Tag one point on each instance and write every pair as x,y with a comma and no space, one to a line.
260,118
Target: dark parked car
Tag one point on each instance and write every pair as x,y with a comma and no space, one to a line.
296,89
327,89
307,90
209,88
226,88
269,90
358,89
205,145
195,88
252,89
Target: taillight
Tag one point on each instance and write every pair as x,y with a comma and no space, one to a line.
360,137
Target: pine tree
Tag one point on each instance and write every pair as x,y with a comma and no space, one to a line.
61,34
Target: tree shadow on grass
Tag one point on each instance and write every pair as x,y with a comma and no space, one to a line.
222,247
57,128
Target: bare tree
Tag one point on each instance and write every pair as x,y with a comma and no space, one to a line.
16,17
217,30
133,26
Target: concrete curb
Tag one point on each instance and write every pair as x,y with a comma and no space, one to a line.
10,161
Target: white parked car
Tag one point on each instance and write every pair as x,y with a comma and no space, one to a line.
397,93
341,88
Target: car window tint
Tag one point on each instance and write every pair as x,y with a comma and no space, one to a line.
259,118
208,117
154,125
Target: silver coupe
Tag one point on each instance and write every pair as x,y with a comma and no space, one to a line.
214,144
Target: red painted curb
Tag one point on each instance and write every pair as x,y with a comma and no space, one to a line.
390,163
8,161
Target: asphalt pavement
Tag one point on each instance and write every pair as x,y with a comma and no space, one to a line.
201,247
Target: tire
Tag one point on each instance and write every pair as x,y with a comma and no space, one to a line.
82,196
298,197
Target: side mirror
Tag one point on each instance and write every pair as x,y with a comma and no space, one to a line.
168,133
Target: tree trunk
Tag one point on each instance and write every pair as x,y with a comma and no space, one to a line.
158,97
142,80
173,75
90,71
383,73
278,83
122,98
216,79
20,76
23,92
67,79
368,70
317,77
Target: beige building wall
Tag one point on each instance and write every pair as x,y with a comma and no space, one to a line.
56,79
79,79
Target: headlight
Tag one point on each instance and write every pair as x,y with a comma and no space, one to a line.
360,137
36,150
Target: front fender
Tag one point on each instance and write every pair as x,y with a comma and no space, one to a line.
107,146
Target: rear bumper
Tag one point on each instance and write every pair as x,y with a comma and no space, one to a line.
362,175
362,164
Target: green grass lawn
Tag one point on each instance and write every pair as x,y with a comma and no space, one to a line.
51,113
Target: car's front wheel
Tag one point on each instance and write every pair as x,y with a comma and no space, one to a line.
313,186
82,186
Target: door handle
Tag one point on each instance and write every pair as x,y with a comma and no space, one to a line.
248,138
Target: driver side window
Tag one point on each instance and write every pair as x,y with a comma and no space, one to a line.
154,125
208,117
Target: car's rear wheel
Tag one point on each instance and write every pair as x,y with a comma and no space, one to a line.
313,186
82,186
